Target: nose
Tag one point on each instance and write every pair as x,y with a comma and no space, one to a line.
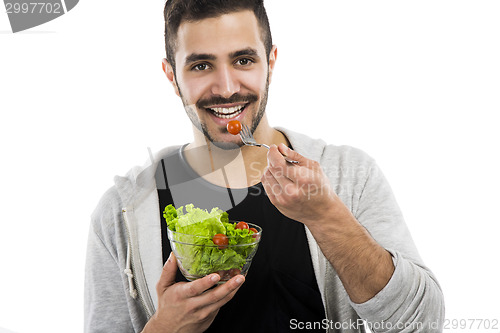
226,83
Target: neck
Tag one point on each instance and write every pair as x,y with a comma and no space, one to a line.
235,168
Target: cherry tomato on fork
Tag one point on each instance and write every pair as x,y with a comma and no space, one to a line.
234,127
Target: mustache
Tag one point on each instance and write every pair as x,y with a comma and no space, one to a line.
218,100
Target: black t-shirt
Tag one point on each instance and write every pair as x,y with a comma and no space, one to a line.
280,285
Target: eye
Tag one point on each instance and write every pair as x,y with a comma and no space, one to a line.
200,67
244,62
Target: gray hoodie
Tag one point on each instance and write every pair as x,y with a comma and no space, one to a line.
124,256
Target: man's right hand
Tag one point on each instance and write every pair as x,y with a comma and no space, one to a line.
189,306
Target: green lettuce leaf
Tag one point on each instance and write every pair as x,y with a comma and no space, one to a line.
203,257
199,222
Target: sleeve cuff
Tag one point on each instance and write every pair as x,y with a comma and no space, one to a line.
386,302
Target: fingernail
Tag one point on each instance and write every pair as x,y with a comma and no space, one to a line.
214,278
283,147
169,258
239,280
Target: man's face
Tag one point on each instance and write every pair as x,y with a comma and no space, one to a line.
222,74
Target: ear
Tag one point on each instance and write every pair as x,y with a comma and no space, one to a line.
272,61
169,72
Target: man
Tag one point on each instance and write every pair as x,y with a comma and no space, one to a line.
335,248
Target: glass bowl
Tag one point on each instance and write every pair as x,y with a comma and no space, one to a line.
198,256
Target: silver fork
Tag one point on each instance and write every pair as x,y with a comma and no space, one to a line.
248,139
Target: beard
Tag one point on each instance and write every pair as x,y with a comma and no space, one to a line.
191,111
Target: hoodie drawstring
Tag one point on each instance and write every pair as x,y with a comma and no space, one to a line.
128,272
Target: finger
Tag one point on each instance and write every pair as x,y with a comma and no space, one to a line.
167,277
286,174
280,169
214,307
292,154
283,176
198,287
275,158
304,172
222,294
277,182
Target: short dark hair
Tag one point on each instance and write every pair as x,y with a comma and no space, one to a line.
178,11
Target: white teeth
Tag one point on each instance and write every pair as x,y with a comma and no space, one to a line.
227,116
228,110
227,113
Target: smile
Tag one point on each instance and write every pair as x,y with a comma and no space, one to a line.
227,113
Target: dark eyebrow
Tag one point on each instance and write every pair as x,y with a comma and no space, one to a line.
193,57
245,52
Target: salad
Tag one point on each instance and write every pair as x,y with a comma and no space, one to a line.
206,242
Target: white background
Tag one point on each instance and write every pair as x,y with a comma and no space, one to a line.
415,84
